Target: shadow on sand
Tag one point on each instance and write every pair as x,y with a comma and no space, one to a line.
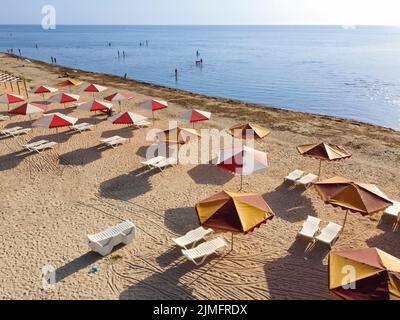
387,241
82,157
290,204
209,174
181,220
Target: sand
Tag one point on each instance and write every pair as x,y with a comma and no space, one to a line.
50,202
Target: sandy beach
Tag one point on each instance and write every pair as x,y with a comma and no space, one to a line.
51,201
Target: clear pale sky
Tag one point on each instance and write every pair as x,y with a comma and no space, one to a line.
339,12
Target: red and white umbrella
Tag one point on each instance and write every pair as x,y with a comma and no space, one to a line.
64,98
242,161
154,105
118,97
8,99
54,121
128,118
29,109
95,88
43,89
195,115
95,105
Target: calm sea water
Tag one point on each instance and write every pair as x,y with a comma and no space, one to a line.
350,73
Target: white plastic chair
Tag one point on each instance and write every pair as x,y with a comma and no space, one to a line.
192,237
199,254
310,227
330,234
295,175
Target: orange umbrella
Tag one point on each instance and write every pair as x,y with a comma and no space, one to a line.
323,152
363,198
234,212
249,131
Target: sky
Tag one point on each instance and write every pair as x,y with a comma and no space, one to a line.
208,12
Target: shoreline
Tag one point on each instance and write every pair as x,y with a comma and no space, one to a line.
121,80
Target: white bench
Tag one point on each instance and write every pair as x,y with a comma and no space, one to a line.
19,132
7,132
34,144
330,234
104,242
4,118
43,147
294,176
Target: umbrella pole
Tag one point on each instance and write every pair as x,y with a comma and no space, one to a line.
241,182
232,242
26,90
19,90
319,171
119,102
43,96
345,219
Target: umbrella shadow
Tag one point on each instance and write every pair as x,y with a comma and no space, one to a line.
82,157
23,124
290,204
122,132
387,241
91,120
12,160
128,186
297,276
181,220
165,285
56,137
67,110
209,174
76,265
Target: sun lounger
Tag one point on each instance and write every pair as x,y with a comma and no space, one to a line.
394,210
114,141
43,147
295,175
19,132
104,242
143,124
4,118
7,131
153,161
330,234
34,144
165,163
82,127
199,254
307,180
310,227
192,237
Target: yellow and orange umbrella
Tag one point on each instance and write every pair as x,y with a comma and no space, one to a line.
365,274
69,83
249,131
234,212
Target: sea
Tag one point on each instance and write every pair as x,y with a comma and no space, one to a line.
351,72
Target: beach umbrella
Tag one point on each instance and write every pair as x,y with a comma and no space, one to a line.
118,97
249,131
55,121
323,152
242,161
8,99
193,116
128,118
154,105
364,274
43,89
95,105
29,109
356,197
64,98
94,88
234,212
69,83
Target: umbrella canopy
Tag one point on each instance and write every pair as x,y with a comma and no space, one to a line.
43,90
95,105
365,274
249,131
193,116
178,135
362,198
29,109
69,83
8,98
154,105
64,98
323,152
119,96
95,88
55,120
129,118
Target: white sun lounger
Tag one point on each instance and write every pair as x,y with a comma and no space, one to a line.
310,227
19,132
153,161
329,234
199,254
295,175
34,144
104,242
192,237
82,127
143,124
114,141
165,163
394,210
307,180
9,130
44,147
